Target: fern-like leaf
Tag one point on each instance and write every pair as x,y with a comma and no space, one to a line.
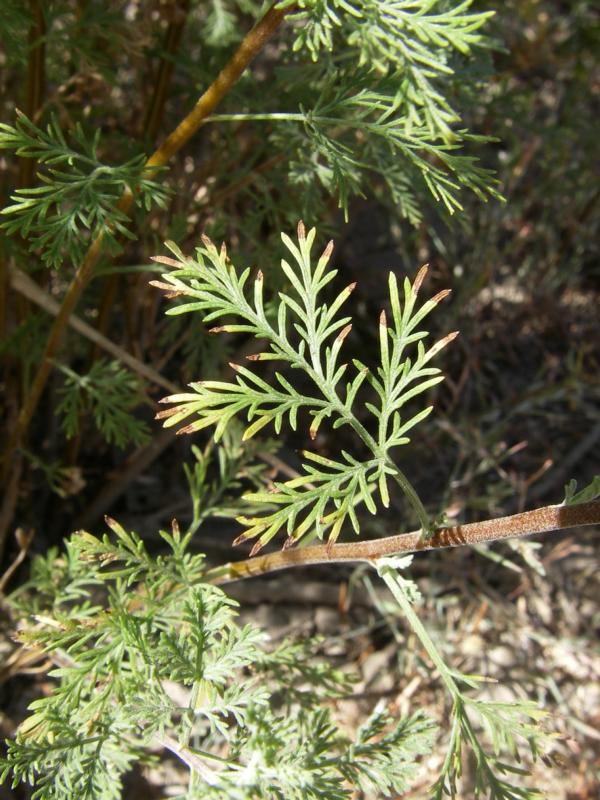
307,333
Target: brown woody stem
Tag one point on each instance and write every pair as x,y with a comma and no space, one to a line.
36,80
170,47
540,520
246,52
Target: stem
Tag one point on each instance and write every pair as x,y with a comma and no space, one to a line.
277,116
253,43
229,75
170,46
21,283
194,760
36,80
394,583
540,520
413,498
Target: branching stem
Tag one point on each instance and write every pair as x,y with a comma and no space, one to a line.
540,520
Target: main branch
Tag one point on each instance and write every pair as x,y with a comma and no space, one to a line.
540,520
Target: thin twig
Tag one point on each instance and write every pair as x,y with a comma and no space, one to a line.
24,540
23,284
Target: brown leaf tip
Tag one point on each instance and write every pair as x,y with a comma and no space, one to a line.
240,539
260,276
169,262
383,319
328,250
234,367
441,295
351,287
420,278
217,329
301,230
343,333
450,337
170,291
289,543
187,429
256,549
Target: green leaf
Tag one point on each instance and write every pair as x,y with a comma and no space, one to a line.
589,492
320,499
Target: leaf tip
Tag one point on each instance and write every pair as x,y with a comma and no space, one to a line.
257,547
328,250
187,429
420,278
441,296
169,262
343,333
301,231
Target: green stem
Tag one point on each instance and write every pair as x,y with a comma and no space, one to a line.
394,582
376,128
412,497
274,117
